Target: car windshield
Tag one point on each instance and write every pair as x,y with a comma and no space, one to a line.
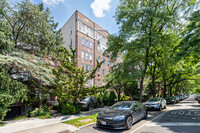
87,99
121,106
153,99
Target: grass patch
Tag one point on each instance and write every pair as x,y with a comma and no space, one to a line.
80,121
19,118
45,116
2,123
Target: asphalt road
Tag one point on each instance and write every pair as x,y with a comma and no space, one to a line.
183,117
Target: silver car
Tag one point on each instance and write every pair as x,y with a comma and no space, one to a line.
156,103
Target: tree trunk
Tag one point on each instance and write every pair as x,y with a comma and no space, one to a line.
169,89
165,90
143,73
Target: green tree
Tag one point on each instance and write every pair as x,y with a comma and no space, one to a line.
70,80
190,43
112,97
142,23
11,91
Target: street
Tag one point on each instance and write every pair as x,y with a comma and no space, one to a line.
183,117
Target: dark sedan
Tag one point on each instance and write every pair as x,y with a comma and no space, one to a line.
122,115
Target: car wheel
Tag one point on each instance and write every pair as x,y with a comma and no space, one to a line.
165,107
129,122
145,114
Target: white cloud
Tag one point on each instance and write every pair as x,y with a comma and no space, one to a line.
98,6
52,2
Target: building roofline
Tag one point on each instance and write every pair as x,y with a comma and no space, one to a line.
102,29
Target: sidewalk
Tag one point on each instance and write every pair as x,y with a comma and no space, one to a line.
36,125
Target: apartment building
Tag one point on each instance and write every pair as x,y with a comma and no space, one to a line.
90,41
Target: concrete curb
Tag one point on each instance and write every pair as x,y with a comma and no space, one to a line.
86,125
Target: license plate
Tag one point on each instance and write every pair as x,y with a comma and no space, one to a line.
149,106
103,122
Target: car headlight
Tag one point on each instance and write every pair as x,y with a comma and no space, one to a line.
120,117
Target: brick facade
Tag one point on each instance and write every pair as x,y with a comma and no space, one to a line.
89,39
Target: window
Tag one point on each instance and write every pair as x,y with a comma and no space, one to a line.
104,61
99,59
87,82
91,32
91,82
108,63
91,45
90,57
98,70
71,42
83,66
87,43
87,30
104,40
103,83
99,48
91,68
103,50
87,67
71,30
82,55
83,28
99,82
99,37
86,56
83,41
103,72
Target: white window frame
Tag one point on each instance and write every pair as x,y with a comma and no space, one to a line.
82,54
90,57
83,41
86,56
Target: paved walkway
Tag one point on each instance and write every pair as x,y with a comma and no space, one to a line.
34,125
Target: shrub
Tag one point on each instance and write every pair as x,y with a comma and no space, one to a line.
105,98
69,108
111,98
41,112
99,99
125,98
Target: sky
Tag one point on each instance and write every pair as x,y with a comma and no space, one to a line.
100,11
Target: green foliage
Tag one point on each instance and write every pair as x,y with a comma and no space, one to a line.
148,31
41,112
2,123
190,43
11,91
19,118
112,97
132,90
70,80
77,122
99,98
69,108
125,98
105,98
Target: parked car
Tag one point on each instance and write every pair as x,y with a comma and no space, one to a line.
88,102
122,115
172,100
157,103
